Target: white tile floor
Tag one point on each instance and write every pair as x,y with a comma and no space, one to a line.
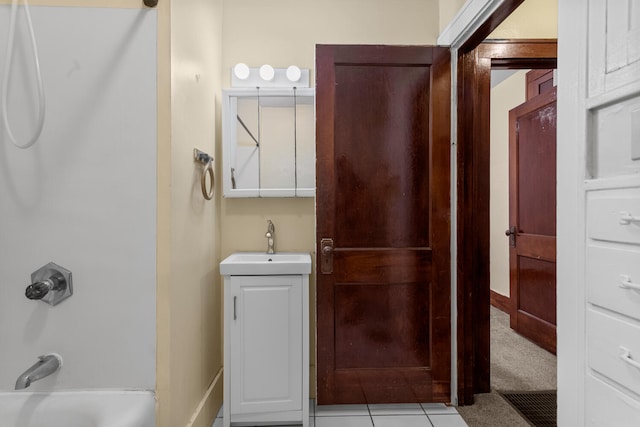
392,415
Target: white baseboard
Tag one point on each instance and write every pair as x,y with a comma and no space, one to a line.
209,405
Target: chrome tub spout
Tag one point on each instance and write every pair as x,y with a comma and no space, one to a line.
46,365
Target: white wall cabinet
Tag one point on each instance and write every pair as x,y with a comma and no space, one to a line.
266,350
268,142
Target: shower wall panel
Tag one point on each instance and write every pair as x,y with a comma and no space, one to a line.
84,196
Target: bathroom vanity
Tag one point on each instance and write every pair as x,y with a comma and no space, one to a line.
266,338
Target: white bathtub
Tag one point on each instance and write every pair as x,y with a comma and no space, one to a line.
77,409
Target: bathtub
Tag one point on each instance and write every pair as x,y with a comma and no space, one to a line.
77,409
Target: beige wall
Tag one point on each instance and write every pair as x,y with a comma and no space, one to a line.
189,375
532,19
285,33
505,96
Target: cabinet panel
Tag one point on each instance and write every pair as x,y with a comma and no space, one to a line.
614,215
614,148
606,406
266,344
614,37
607,340
611,273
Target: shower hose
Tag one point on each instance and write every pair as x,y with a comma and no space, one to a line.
5,79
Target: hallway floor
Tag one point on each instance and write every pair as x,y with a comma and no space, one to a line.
392,415
516,365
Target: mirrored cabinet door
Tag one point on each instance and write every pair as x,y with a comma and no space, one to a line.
269,143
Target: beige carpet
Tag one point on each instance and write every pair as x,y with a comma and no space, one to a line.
516,364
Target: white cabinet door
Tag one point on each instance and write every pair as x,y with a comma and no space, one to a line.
266,344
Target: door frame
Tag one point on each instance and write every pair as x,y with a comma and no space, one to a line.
474,62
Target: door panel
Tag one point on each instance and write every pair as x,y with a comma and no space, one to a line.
376,317
535,155
383,198
539,81
532,214
357,146
537,288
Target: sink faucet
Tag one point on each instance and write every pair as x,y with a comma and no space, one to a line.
46,365
271,237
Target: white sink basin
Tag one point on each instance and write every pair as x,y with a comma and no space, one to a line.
260,264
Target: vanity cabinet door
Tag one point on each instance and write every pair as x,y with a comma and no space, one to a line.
266,344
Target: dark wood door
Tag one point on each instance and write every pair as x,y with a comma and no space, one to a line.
383,224
539,81
532,217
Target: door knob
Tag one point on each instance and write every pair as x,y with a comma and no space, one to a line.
326,256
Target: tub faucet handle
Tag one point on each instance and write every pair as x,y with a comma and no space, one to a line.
50,283
37,290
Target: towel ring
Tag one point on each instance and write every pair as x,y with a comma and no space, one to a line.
207,161
208,170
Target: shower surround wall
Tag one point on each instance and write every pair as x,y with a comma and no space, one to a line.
84,197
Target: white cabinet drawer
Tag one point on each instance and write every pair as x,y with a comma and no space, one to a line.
613,279
606,406
614,215
606,338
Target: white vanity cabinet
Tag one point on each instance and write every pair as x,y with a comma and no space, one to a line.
266,349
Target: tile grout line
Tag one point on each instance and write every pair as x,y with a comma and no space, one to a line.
428,417
424,410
